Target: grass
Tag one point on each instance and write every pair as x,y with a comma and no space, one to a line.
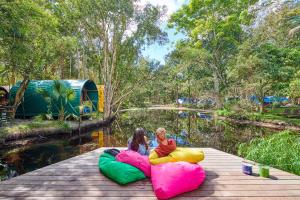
23,128
272,117
254,116
280,110
280,150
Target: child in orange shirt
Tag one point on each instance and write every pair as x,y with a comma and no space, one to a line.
165,147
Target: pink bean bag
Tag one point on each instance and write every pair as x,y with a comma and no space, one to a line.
174,178
135,159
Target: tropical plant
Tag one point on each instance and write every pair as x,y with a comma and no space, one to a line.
280,150
58,99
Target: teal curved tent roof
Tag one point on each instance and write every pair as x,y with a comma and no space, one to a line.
34,103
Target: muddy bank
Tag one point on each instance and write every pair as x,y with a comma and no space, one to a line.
19,139
275,125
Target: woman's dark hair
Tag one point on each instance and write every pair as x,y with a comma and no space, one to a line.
138,138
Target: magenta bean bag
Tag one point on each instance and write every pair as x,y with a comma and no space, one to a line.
135,159
174,178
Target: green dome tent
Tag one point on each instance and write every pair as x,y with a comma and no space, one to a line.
34,103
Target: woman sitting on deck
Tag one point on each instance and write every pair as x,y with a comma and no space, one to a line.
138,142
165,147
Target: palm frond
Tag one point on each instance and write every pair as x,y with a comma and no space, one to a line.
70,94
43,93
58,89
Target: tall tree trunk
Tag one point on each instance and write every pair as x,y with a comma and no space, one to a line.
13,78
217,94
20,94
62,68
261,107
106,77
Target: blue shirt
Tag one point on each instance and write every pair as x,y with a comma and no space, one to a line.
142,148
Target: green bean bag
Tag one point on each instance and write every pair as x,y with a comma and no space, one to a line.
118,172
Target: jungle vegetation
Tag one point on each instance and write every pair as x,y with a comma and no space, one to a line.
229,49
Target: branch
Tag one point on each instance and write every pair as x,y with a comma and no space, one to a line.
130,90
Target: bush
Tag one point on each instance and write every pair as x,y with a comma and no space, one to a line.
224,112
280,150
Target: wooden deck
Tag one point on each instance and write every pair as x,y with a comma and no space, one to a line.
79,178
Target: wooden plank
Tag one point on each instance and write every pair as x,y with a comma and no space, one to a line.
97,177
137,193
79,178
236,167
108,182
79,172
150,198
218,187
216,169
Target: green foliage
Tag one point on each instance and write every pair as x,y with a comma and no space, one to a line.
21,129
223,54
78,39
224,112
267,68
280,150
268,61
27,32
97,115
114,46
294,88
271,116
62,124
58,98
214,28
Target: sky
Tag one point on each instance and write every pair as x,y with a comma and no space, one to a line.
158,52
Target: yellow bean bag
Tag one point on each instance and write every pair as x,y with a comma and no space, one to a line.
180,154
154,159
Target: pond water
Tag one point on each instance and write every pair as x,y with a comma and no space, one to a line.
188,128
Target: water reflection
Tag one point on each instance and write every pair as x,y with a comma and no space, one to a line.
22,160
187,128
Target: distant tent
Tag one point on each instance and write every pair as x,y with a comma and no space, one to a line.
34,103
270,99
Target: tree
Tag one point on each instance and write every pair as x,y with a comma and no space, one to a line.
266,69
268,60
26,32
197,79
294,90
117,30
215,29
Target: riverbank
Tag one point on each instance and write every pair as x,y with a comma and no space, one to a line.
23,132
279,125
167,107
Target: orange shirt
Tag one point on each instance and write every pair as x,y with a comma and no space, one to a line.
164,150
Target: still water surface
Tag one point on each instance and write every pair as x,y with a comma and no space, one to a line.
188,128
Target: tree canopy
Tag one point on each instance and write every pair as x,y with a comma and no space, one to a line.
230,48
